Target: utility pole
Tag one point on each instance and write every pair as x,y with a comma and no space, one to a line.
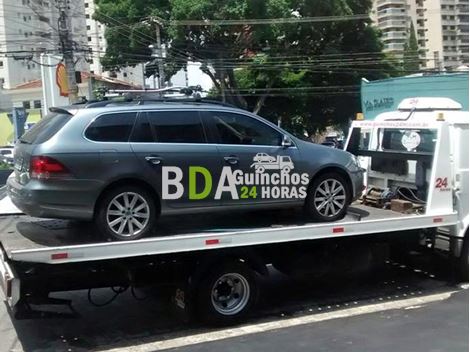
158,52
67,50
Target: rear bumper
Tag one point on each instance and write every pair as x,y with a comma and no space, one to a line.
61,200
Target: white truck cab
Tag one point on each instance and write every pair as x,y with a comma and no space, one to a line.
421,148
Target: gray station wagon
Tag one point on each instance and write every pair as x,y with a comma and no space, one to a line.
123,165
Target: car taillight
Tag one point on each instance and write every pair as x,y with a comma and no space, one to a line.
44,167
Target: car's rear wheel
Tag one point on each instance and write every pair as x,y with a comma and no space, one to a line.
328,197
126,213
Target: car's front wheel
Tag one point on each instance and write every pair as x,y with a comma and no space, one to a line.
328,197
126,213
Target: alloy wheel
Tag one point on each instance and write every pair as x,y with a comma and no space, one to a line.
128,214
330,197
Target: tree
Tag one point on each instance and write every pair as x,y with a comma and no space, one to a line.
411,52
300,72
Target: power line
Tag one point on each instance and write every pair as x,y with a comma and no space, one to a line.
318,19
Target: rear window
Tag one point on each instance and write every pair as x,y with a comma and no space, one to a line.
45,128
111,127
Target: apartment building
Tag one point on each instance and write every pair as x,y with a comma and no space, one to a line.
25,32
441,29
97,43
29,28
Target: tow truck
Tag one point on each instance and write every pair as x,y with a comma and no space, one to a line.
281,162
416,160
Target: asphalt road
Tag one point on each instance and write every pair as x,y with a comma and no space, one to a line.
392,309
440,326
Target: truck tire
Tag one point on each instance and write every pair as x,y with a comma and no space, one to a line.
226,294
328,197
125,213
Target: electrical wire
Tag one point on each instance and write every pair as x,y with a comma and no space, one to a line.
117,292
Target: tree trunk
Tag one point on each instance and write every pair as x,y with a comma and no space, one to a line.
241,101
262,99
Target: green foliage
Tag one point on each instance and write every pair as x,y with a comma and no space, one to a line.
411,53
5,166
306,75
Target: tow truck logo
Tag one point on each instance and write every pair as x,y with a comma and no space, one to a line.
263,161
273,178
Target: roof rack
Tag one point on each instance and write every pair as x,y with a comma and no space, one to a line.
151,96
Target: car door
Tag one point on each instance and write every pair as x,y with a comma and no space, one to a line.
170,142
243,141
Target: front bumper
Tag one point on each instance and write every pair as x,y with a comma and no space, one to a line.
357,181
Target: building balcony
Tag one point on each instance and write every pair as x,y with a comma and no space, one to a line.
449,32
394,46
447,22
391,12
392,24
394,35
390,2
448,12
451,53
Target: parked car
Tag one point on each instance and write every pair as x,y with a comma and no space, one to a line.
110,164
6,155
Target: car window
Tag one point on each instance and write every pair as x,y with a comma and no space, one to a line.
142,132
177,126
45,128
240,129
115,127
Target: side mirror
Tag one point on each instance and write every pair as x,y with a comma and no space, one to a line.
286,142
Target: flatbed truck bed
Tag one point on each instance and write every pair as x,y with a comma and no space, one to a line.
26,239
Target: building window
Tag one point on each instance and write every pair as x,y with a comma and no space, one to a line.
89,39
2,80
37,104
87,16
1,63
124,74
86,5
88,27
27,104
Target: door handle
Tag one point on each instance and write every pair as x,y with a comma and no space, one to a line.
154,160
232,160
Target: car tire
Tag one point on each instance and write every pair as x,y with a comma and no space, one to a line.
323,204
126,213
226,294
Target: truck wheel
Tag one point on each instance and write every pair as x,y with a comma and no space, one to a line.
328,197
226,294
125,213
